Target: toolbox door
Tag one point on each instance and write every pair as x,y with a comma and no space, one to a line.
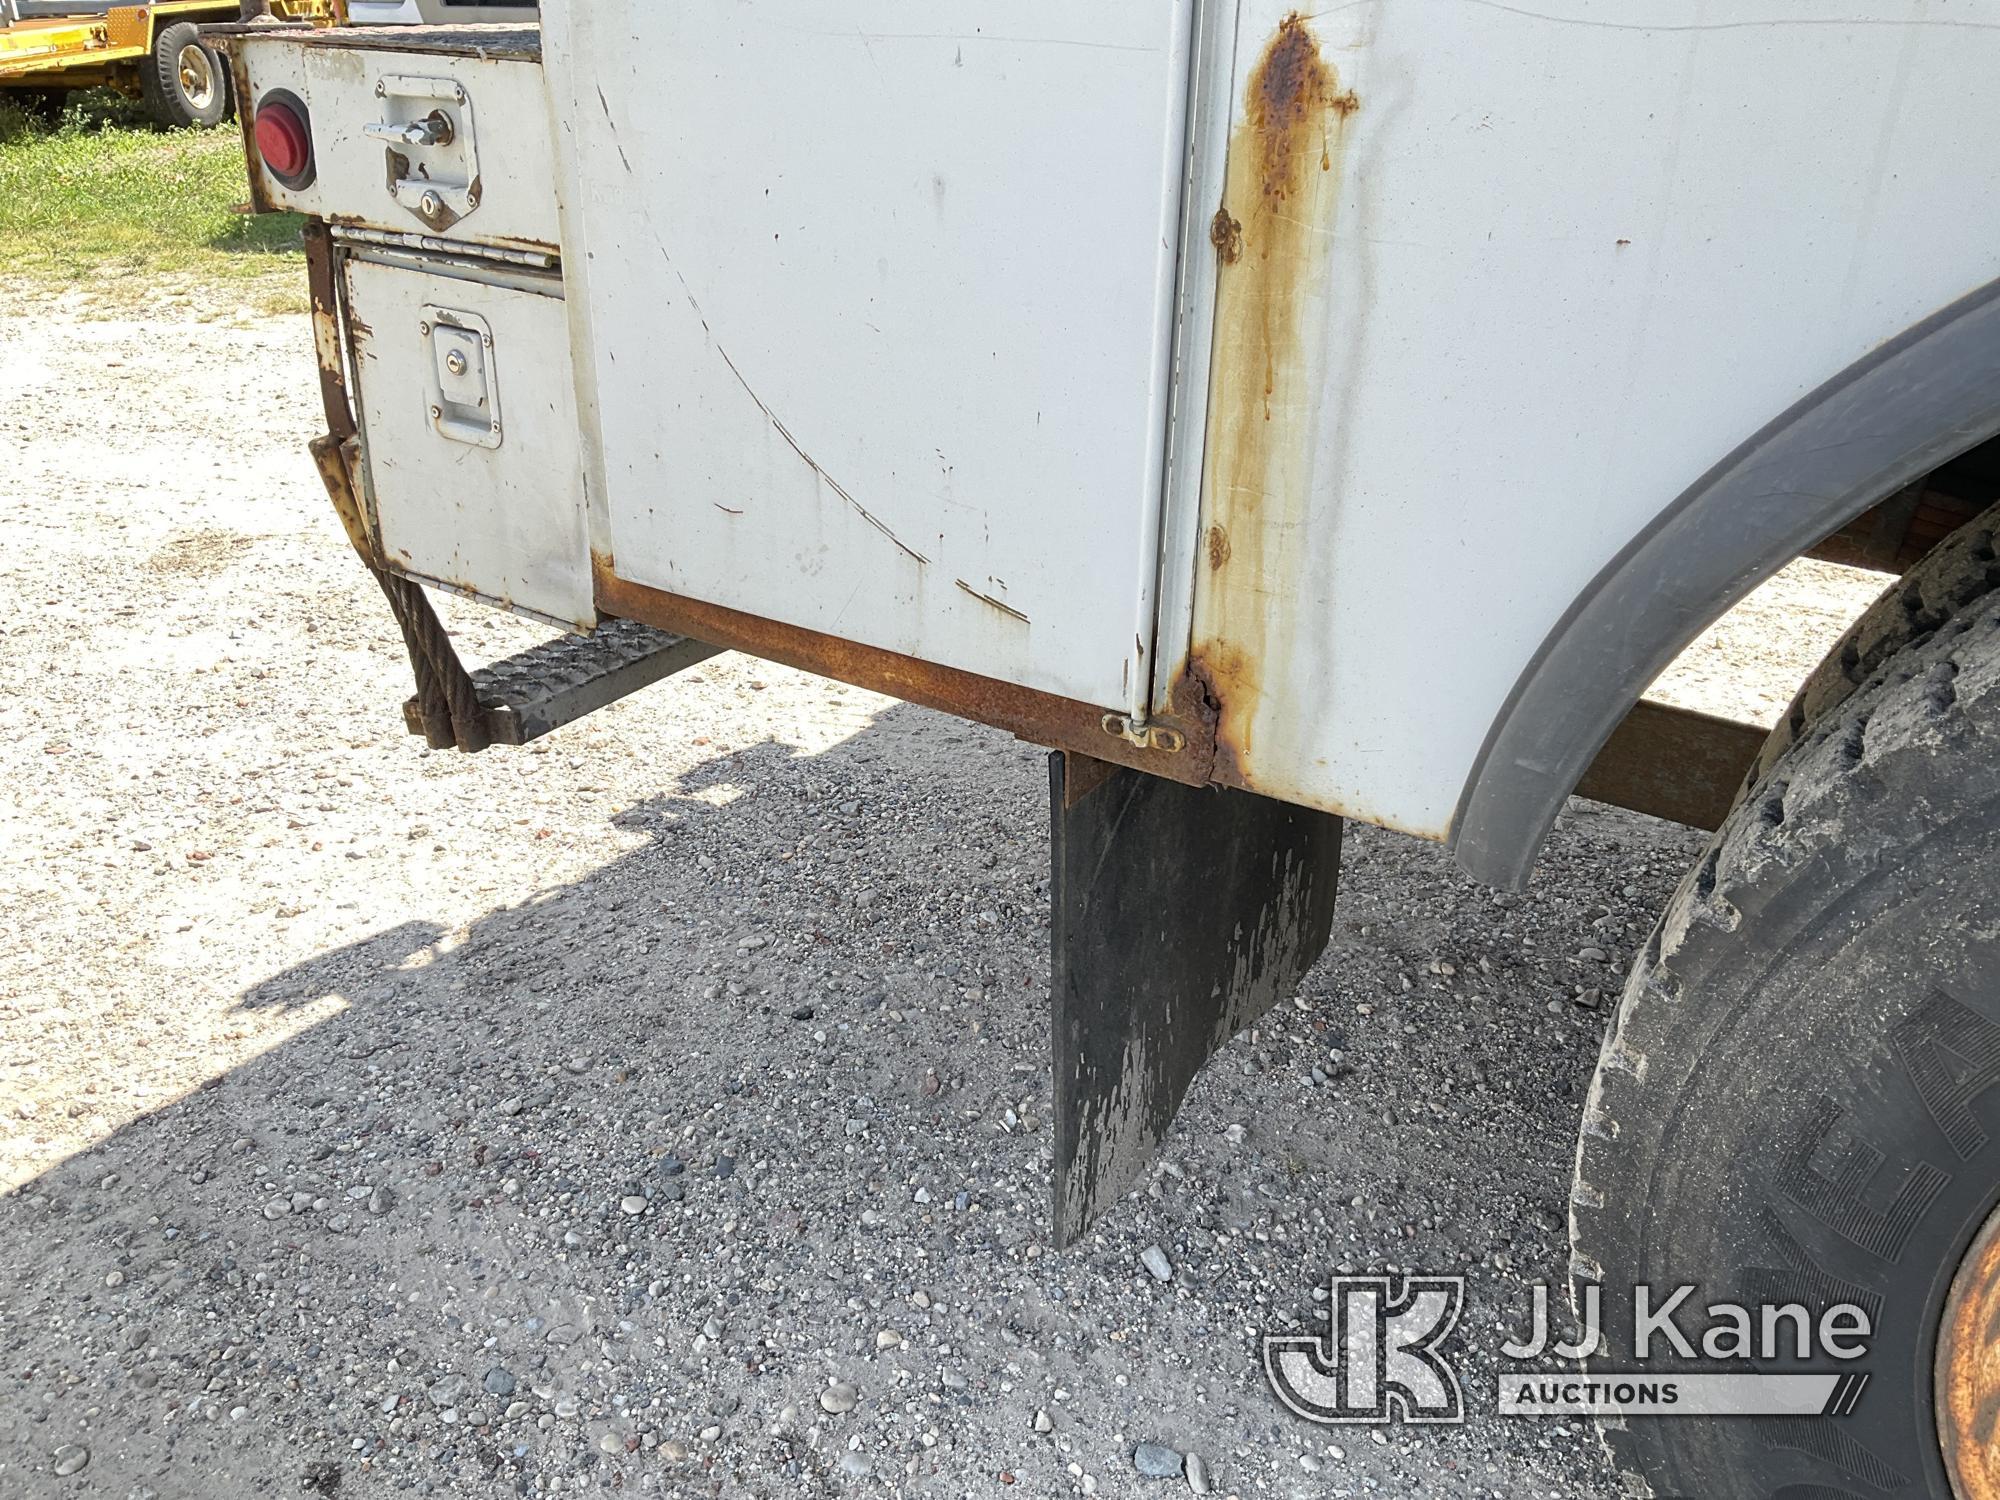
468,415
877,307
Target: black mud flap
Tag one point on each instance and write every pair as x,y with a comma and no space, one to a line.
1180,915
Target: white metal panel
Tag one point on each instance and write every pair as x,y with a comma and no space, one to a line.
499,515
510,135
1575,252
878,300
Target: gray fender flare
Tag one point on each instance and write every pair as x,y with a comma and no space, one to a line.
1920,399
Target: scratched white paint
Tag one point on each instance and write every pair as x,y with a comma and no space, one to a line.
877,299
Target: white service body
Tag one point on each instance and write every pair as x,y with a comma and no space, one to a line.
904,324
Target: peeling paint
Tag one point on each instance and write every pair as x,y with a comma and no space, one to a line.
1225,232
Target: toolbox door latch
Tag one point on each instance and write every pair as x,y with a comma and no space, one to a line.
464,396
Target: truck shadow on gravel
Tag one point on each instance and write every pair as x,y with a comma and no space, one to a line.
605,1189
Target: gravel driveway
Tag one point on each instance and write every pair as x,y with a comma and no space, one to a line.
664,1108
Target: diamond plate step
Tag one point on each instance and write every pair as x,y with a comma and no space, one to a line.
547,686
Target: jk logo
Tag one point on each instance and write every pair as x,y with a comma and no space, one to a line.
1378,1360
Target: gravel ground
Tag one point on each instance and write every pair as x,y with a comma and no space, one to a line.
664,1107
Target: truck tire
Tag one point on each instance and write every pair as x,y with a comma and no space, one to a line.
1798,1102
185,82
1956,571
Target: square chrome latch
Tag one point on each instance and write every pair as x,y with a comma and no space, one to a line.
433,164
464,397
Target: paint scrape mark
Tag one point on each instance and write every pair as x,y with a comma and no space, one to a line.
812,463
616,144
770,416
1005,609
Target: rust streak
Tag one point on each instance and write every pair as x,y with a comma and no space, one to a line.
1005,609
1273,235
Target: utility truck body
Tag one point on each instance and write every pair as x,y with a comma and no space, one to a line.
1284,418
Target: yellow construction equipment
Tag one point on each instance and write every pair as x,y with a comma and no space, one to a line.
48,48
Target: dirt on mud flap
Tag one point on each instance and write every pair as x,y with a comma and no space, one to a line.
1154,968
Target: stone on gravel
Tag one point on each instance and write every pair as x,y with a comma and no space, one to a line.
1157,1461
838,1397
632,1204
1154,1259
70,1458
499,1381
1197,1473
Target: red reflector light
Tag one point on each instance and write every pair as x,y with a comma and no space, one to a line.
284,141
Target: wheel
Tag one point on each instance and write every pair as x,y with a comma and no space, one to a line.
1799,1101
185,81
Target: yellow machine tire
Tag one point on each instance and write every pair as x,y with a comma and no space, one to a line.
185,81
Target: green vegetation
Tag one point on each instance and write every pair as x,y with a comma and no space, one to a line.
131,213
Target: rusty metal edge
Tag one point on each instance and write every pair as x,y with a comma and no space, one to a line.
1038,717
323,287
246,123
495,41
1674,763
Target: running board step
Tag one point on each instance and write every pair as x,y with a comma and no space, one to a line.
543,688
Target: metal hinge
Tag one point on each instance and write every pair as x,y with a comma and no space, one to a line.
1145,736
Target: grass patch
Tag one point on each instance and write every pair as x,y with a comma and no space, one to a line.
122,213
